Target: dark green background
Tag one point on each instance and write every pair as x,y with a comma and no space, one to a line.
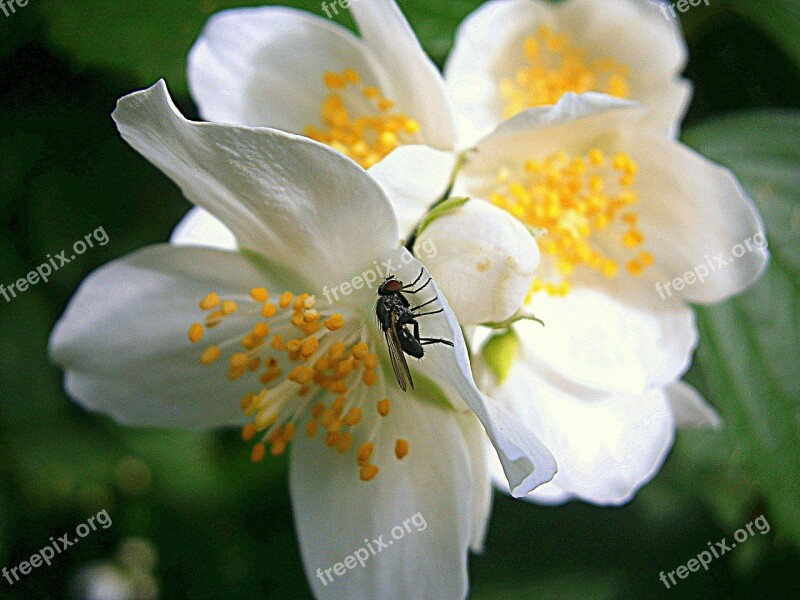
223,528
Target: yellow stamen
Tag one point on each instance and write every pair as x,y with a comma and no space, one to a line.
358,122
210,301
368,471
384,406
581,203
209,355
195,332
401,448
555,66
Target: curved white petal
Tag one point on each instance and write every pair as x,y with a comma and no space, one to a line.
605,451
489,43
691,212
690,408
527,463
430,491
416,83
123,338
200,228
483,258
476,441
414,177
295,201
264,66
613,335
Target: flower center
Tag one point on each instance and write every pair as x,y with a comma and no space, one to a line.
313,368
359,121
555,66
583,203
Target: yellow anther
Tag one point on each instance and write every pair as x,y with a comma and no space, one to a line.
335,425
229,307
288,432
278,447
360,350
311,429
309,347
364,453
345,368
285,299
401,448
195,332
338,405
248,432
371,361
317,410
334,322
238,359
210,301
294,345
332,439
635,267
301,374
554,66
338,387
257,454
345,442
353,416
359,122
646,258
215,318
369,377
277,342
259,294
368,471
261,330
235,373
384,406
334,80
254,364
209,355
572,198
268,310
328,416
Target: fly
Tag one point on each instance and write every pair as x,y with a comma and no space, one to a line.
395,315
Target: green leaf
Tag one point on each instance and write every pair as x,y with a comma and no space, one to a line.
446,207
777,19
500,351
750,344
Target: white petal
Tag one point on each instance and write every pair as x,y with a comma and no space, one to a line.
692,211
483,53
264,66
476,440
414,177
613,335
605,451
414,80
295,201
488,48
336,514
201,228
690,408
123,338
482,249
526,461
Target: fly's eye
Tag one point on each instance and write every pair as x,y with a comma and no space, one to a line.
392,286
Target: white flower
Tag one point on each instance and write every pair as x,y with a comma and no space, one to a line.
485,256
626,211
266,353
284,68
510,55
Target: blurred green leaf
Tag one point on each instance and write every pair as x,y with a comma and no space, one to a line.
778,19
751,343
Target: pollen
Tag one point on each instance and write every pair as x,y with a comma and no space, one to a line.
584,205
401,448
553,66
358,121
309,371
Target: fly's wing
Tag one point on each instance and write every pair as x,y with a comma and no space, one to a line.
397,357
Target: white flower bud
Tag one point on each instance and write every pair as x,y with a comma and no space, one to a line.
484,262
